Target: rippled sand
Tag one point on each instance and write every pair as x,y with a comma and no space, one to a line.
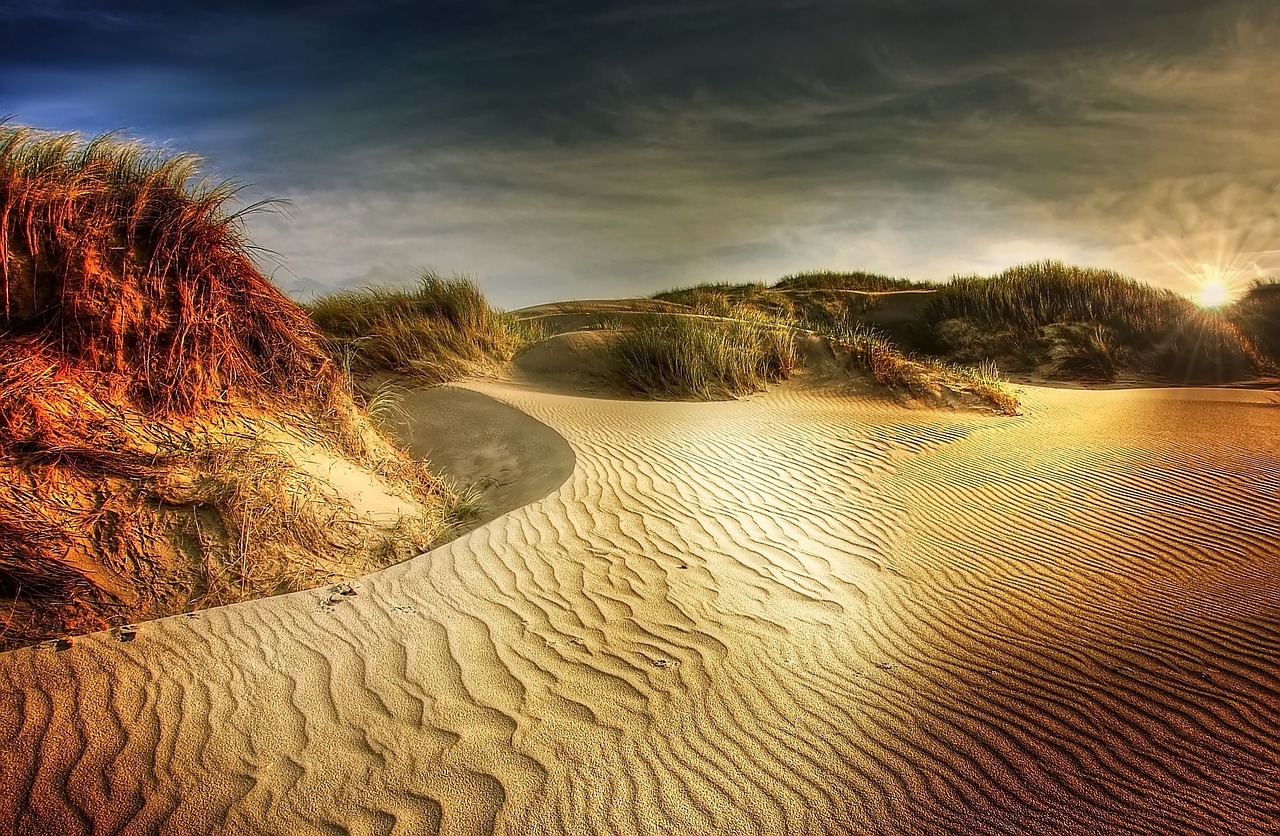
797,613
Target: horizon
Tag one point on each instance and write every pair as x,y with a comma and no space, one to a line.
575,152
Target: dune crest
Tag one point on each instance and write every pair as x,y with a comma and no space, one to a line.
795,613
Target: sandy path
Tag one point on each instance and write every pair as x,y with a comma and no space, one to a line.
791,614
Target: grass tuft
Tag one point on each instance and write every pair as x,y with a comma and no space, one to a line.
1081,352
700,357
929,380
439,330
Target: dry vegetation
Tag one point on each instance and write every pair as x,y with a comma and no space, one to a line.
1087,324
1050,319
686,359
166,414
441,329
1257,315
928,380
703,357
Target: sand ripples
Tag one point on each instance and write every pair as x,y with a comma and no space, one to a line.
792,614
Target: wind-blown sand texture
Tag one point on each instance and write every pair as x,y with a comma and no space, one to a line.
797,613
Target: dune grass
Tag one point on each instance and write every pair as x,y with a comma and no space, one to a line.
856,280
1032,295
1085,323
1085,352
702,357
105,226
826,303
929,380
438,330
1257,315
157,397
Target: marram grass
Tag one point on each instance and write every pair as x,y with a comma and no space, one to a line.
144,361
437,330
735,339
1087,323
923,378
702,357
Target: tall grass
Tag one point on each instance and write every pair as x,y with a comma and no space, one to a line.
94,232
1033,295
926,379
437,330
1257,315
1018,315
681,356
1085,352
143,356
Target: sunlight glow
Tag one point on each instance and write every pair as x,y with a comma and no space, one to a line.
1213,293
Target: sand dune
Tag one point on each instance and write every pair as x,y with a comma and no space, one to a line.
480,443
796,613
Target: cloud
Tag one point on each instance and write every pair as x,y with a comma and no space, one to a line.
572,150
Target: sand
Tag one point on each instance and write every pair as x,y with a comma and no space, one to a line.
802,612
480,443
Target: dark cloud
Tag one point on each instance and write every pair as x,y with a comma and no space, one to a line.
567,149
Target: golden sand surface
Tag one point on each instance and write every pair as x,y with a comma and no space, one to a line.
801,612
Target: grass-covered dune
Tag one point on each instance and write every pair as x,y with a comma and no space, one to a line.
1083,323
826,296
1257,315
1051,319
173,434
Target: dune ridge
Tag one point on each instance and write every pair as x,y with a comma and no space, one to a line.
801,612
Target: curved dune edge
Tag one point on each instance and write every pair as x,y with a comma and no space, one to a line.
796,613
509,458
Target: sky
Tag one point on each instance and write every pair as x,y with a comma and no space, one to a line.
562,150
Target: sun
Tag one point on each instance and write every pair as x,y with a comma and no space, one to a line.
1213,293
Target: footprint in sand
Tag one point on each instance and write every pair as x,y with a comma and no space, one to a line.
337,593
125,633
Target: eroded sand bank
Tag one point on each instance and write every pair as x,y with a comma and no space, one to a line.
796,613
